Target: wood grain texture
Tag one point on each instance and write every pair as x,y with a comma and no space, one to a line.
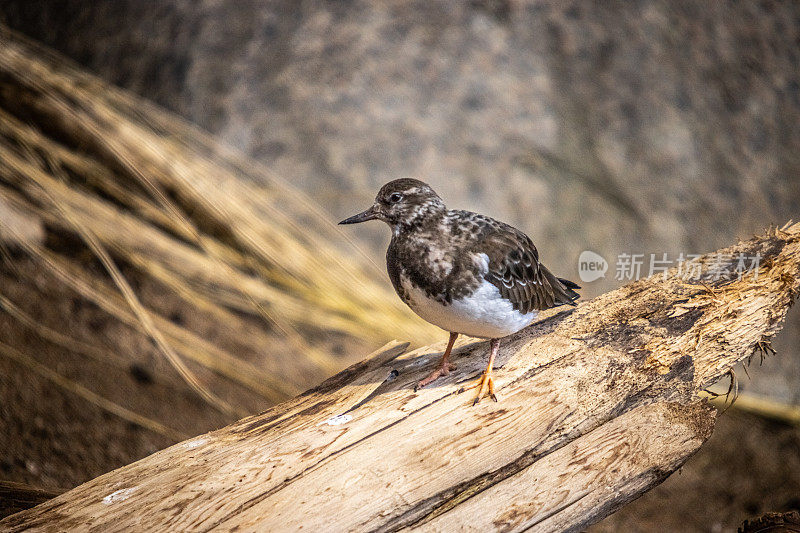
597,405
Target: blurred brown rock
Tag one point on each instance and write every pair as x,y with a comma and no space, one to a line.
618,127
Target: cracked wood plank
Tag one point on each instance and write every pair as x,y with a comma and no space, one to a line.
597,405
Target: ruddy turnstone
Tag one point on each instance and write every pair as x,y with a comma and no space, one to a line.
464,272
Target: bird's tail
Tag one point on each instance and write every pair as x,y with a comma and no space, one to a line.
565,291
569,290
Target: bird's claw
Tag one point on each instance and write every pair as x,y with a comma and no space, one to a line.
440,371
484,385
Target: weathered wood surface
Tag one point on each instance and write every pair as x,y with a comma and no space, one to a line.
597,405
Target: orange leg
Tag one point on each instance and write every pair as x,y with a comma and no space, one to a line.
445,366
486,384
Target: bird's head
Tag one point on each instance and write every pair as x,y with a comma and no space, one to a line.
402,204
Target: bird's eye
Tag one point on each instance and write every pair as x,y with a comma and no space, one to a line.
395,197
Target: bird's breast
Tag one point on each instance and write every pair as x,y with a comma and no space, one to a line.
420,260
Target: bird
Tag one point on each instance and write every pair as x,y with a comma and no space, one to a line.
464,272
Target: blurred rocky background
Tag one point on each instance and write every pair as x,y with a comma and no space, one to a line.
618,127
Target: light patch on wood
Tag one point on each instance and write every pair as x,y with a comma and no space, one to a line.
118,496
192,444
338,420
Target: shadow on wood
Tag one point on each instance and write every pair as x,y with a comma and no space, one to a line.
597,405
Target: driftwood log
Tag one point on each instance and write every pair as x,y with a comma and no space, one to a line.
597,405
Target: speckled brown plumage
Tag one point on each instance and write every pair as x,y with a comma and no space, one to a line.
438,254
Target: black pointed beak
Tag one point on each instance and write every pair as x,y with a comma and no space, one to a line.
369,214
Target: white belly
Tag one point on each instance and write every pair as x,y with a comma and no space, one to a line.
484,314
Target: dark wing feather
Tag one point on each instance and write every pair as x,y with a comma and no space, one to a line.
514,268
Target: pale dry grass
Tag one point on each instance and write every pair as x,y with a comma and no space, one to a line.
141,188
